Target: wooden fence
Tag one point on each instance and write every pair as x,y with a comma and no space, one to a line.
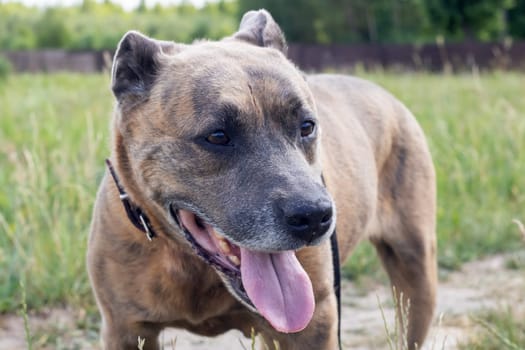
430,57
59,60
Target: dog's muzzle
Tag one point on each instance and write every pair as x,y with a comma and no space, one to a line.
274,284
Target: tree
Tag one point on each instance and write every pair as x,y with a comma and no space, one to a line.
51,30
87,5
298,19
344,21
470,20
142,7
516,20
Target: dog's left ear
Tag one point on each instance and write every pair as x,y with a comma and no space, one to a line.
259,28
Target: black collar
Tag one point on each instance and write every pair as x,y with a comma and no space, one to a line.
137,217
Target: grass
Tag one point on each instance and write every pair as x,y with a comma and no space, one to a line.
54,138
498,330
23,311
398,338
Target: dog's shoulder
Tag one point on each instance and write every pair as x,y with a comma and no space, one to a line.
361,94
345,102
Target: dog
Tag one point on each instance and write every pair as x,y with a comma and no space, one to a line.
233,162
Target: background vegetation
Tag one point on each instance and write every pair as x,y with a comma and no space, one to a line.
398,21
93,25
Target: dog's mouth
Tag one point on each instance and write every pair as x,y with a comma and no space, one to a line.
274,284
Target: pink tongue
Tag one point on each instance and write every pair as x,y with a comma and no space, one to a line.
279,288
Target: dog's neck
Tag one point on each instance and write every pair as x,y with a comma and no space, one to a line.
137,217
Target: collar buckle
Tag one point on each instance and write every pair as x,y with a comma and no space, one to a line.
135,214
149,234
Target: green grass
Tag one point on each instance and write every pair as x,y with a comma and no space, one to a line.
498,330
54,137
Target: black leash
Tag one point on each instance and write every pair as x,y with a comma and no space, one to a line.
337,283
337,278
135,214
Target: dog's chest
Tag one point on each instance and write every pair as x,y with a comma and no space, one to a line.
183,288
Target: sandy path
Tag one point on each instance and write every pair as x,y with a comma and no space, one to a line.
477,286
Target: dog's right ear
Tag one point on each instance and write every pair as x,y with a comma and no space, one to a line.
136,64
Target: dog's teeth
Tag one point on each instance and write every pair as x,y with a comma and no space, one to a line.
225,247
218,236
235,260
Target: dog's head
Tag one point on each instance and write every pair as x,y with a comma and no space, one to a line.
221,141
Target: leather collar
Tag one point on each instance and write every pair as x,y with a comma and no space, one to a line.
137,217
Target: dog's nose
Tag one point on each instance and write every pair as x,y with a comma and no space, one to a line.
307,221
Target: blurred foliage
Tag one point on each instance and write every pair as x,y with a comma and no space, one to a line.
470,20
99,25
394,21
5,68
93,25
516,19
343,21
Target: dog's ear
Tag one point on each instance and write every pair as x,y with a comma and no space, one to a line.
136,64
259,28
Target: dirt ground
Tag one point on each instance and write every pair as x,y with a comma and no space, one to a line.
478,286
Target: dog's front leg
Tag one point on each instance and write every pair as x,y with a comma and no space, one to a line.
320,334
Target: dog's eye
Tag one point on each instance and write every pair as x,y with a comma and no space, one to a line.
307,128
218,137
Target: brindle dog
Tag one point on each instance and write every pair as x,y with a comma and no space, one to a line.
226,147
